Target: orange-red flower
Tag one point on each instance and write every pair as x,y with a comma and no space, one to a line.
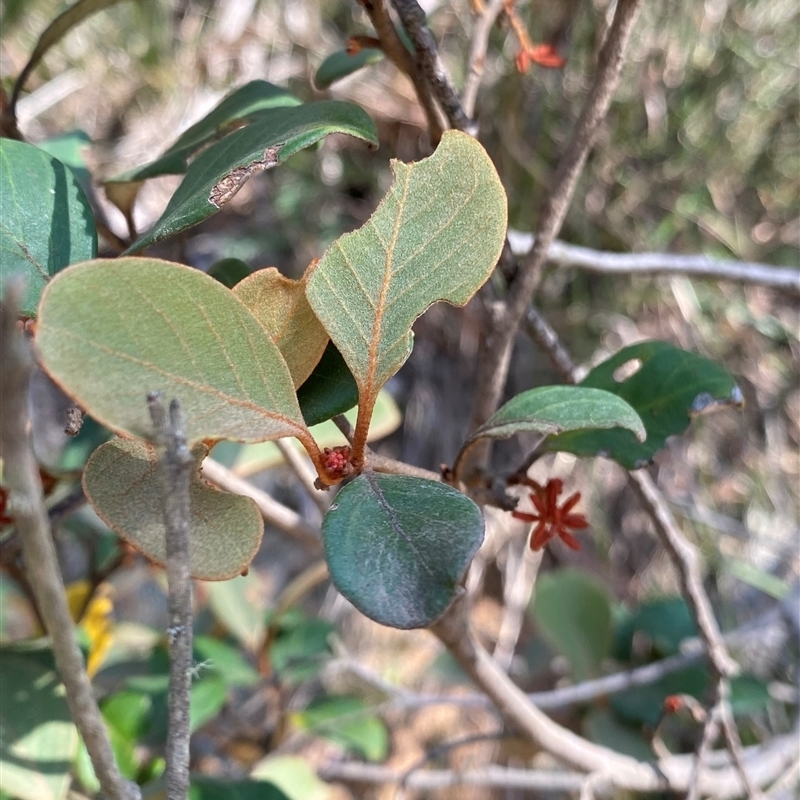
552,519
545,55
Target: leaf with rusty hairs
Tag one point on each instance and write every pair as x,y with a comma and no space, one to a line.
123,484
437,235
280,305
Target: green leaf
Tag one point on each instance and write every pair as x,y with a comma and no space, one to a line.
341,64
669,388
68,149
437,235
224,660
274,135
397,547
329,390
237,108
346,721
38,741
46,222
127,712
665,622
111,331
553,409
573,612
123,484
301,647
749,695
229,271
236,604
604,728
643,705
206,700
204,787
294,776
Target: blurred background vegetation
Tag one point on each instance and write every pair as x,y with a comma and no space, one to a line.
700,154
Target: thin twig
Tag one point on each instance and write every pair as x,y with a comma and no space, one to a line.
297,464
516,596
496,355
710,733
273,512
392,45
476,61
381,463
695,266
21,476
175,466
673,773
429,65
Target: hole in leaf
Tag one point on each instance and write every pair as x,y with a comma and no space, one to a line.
628,369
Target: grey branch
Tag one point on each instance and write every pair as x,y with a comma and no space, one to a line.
175,465
430,65
496,357
697,266
21,475
476,61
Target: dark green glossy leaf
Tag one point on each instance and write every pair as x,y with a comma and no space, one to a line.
38,741
346,721
229,271
552,409
68,148
573,612
644,704
46,220
274,135
237,108
204,787
339,65
664,622
397,547
669,388
329,390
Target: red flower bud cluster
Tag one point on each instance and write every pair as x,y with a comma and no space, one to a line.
337,459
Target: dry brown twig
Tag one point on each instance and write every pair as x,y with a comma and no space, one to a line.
21,475
476,60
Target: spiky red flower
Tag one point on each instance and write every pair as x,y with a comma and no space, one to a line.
552,519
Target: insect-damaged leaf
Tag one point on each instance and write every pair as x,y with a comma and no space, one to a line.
280,305
111,331
46,222
436,236
122,482
274,135
670,387
398,546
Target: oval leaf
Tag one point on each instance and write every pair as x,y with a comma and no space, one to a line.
109,332
229,271
397,547
218,173
123,484
238,107
437,235
46,223
279,304
339,65
669,388
329,390
552,409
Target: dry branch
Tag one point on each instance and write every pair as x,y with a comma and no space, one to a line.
21,475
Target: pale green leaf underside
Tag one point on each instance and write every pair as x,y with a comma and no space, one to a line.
111,331
553,409
122,482
437,235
